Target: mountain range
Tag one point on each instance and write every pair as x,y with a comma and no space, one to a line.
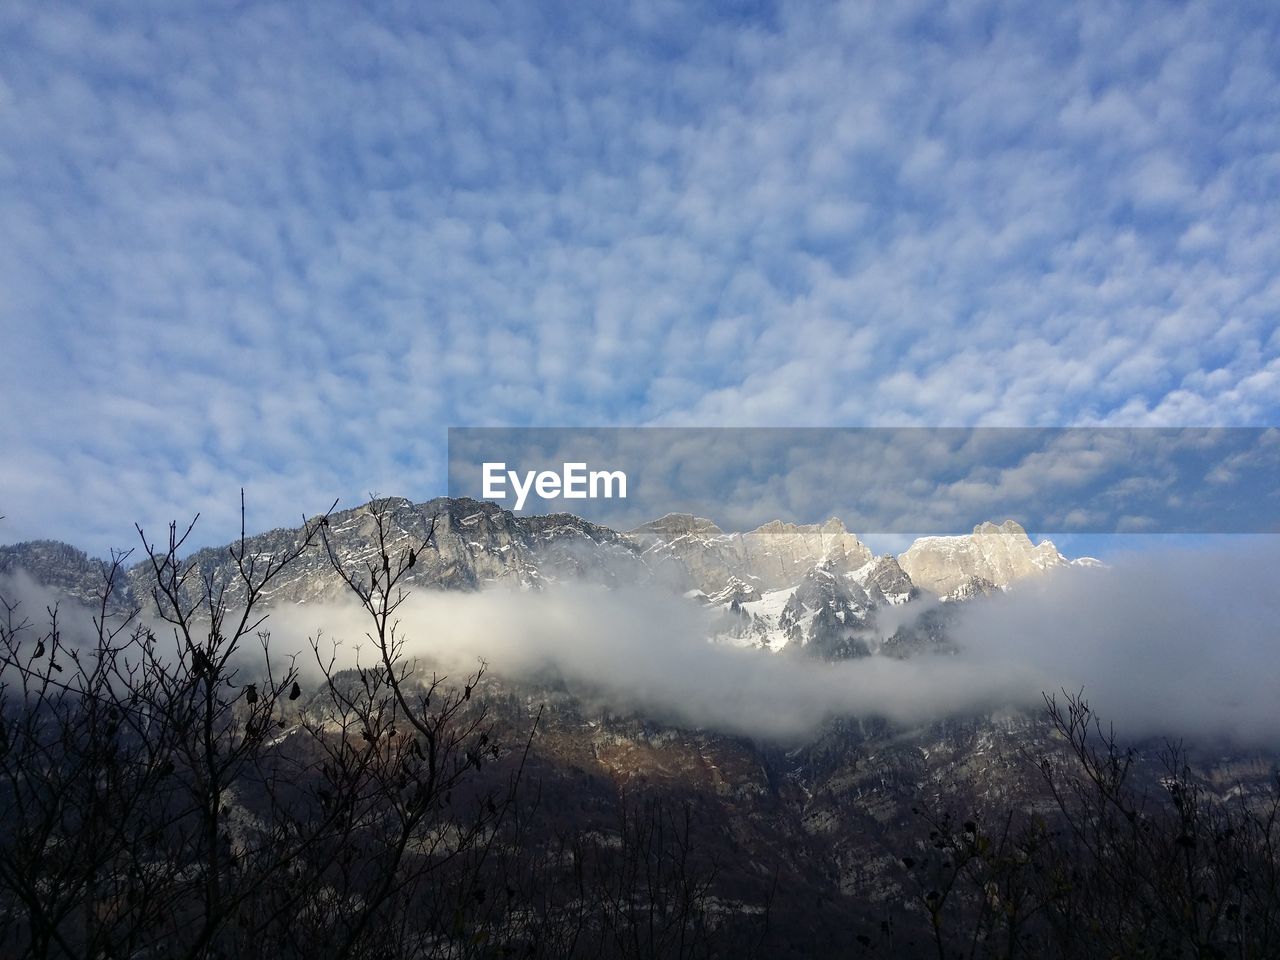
821,827
782,583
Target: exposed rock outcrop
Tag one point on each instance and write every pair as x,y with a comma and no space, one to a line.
774,555
996,554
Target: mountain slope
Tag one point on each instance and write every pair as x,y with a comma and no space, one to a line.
998,555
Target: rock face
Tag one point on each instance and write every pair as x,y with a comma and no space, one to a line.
885,581
780,553
474,545
776,555
996,555
62,568
826,615
813,589
477,544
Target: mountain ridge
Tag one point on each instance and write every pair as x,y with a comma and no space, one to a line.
479,544
814,588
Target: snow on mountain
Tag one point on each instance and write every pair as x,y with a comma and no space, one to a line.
773,556
826,615
474,545
885,581
65,570
813,588
998,555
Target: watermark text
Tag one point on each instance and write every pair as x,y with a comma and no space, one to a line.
573,482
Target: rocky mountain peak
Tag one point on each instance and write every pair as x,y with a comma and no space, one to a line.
885,581
774,555
834,526
675,525
64,569
994,554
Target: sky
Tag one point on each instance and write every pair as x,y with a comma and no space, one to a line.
286,246
1109,481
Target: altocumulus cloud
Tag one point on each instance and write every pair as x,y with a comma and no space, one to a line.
287,246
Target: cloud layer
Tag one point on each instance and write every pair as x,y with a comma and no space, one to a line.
286,247
1182,644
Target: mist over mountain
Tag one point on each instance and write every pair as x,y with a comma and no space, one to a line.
807,698
778,630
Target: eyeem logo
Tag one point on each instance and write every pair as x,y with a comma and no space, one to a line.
574,482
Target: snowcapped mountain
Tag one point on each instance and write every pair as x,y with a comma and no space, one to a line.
818,588
992,556
770,557
814,588
63,569
827,614
885,581
831,613
474,545
823,824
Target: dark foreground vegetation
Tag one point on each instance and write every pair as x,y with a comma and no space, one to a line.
187,792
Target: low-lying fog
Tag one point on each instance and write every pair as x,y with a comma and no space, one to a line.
1183,644
1180,643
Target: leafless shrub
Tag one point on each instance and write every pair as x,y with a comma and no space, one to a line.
1170,870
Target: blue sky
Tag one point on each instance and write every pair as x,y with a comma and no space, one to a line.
906,480
286,246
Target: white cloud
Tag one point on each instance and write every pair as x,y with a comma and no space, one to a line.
1179,644
288,249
